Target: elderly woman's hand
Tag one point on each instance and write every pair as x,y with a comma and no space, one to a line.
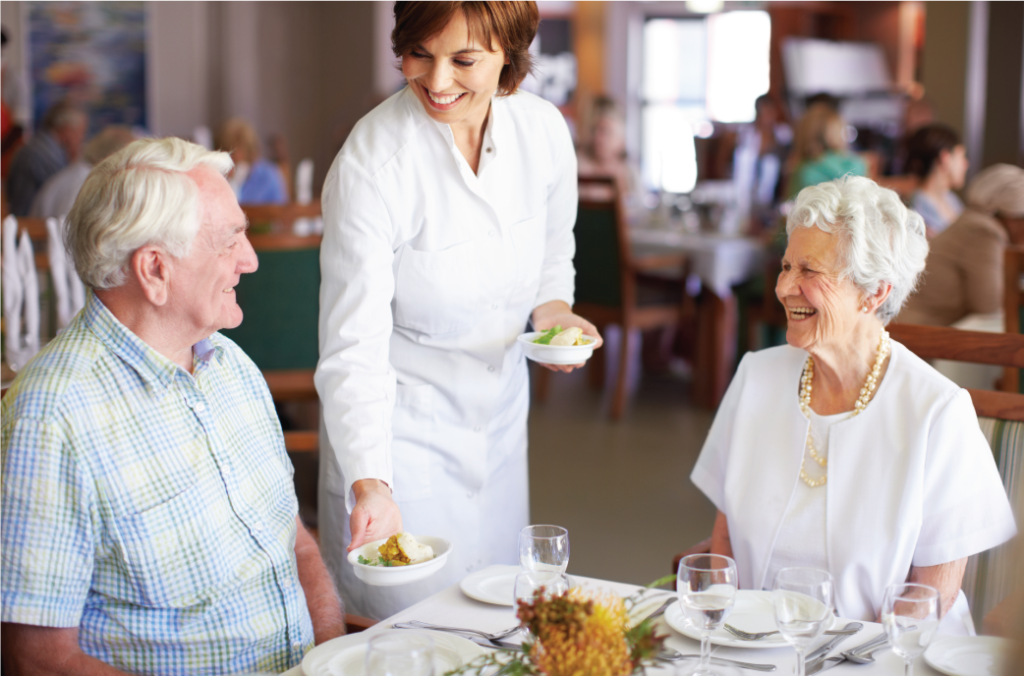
558,313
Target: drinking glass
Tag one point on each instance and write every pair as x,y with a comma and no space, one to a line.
405,653
528,583
707,591
544,548
802,598
910,615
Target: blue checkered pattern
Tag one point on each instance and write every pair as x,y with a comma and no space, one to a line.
151,508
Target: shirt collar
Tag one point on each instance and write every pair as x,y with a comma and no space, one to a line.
152,366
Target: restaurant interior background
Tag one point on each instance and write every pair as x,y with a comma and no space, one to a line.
684,74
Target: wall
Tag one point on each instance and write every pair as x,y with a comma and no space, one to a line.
1005,73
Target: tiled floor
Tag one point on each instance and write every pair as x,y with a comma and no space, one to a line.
622,489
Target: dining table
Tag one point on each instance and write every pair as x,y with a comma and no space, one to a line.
718,262
451,607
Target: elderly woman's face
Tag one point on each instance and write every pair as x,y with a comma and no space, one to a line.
453,75
822,307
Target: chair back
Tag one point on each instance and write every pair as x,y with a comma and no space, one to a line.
278,218
280,302
991,575
602,243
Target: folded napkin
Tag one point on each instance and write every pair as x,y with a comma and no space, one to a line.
202,135
13,292
304,195
67,286
21,296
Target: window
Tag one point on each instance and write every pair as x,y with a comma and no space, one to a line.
697,70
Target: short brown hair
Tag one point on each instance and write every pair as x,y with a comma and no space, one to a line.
514,24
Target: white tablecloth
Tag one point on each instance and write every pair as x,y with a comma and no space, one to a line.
720,262
453,608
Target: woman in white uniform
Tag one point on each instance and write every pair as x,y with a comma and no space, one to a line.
842,450
448,226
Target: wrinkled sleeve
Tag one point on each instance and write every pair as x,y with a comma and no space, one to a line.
354,377
558,276
47,527
965,509
709,473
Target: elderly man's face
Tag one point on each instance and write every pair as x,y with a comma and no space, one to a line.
203,285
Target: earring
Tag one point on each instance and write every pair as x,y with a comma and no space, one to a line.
864,309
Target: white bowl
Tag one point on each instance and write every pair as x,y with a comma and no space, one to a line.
390,576
556,354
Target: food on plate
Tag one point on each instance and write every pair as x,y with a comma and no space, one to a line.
400,550
556,336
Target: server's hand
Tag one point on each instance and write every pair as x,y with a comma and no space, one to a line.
375,515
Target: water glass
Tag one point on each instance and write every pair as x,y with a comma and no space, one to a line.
802,598
707,591
910,615
403,653
544,548
529,582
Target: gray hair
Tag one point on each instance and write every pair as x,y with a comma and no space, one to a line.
880,240
138,196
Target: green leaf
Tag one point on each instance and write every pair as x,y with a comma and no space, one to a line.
668,579
546,336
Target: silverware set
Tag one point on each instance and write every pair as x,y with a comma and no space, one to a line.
747,636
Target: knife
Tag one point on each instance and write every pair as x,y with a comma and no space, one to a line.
818,654
825,665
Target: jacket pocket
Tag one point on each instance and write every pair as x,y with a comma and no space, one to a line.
439,292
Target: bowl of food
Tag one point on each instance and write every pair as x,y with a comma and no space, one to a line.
399,559
558,346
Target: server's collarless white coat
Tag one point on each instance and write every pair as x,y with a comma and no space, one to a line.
429,273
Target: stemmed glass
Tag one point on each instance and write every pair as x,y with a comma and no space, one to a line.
910,615
802,598
707,590
528,583
400,654
544,548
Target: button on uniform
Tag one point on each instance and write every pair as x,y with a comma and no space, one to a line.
491,369
199,407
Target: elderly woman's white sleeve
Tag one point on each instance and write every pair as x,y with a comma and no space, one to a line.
709,473
965,508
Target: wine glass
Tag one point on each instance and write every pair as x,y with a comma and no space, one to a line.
530,582
400,654
802,598
707,590
910,615
544,548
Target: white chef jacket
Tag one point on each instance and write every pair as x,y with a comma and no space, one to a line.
911,480
430,272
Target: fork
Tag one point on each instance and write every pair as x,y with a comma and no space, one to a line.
747,636
669,655
417,624
863,654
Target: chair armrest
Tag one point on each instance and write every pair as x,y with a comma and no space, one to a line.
702,547
357,623
657,262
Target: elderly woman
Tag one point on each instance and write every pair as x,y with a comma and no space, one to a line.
906,488
964,275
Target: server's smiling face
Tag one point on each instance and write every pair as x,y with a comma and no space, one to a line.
453,74
822,306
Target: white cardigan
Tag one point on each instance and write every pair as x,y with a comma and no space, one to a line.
911,480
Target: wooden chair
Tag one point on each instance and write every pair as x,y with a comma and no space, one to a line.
612,285
989,578
1013,300
280,302
357,623
278,218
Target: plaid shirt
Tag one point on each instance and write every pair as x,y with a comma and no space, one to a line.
152,509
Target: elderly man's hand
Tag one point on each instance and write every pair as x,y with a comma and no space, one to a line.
375,515
558,313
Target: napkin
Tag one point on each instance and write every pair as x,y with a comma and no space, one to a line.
13,292
21,307
67,286
201,135
304,195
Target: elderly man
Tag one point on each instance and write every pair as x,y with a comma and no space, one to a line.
149,518
57,143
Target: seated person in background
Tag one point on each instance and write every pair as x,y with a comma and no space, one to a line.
149,515
820,152
57,143
60,190
603,153
254,179
761,149
938,159
909,481
964,275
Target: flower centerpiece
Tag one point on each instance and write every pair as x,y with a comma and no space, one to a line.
577,633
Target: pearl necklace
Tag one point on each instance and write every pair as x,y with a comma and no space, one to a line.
866,392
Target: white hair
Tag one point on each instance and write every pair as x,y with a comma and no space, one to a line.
139,196
880,241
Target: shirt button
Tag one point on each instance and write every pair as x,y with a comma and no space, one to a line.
488,150
491,369
470,495
199,407
494,306
258,526
490,233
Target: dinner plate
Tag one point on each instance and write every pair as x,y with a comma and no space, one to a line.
346,655
495,584
556,354
752,612
390,576
969,655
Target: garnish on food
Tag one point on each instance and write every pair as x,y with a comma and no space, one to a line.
556,336
400,550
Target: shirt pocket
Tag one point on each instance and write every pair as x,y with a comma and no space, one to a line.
438,292
412,456
173,551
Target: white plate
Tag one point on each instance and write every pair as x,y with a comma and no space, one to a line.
390,576
752,612
556,354
346,655
495,584
969,655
